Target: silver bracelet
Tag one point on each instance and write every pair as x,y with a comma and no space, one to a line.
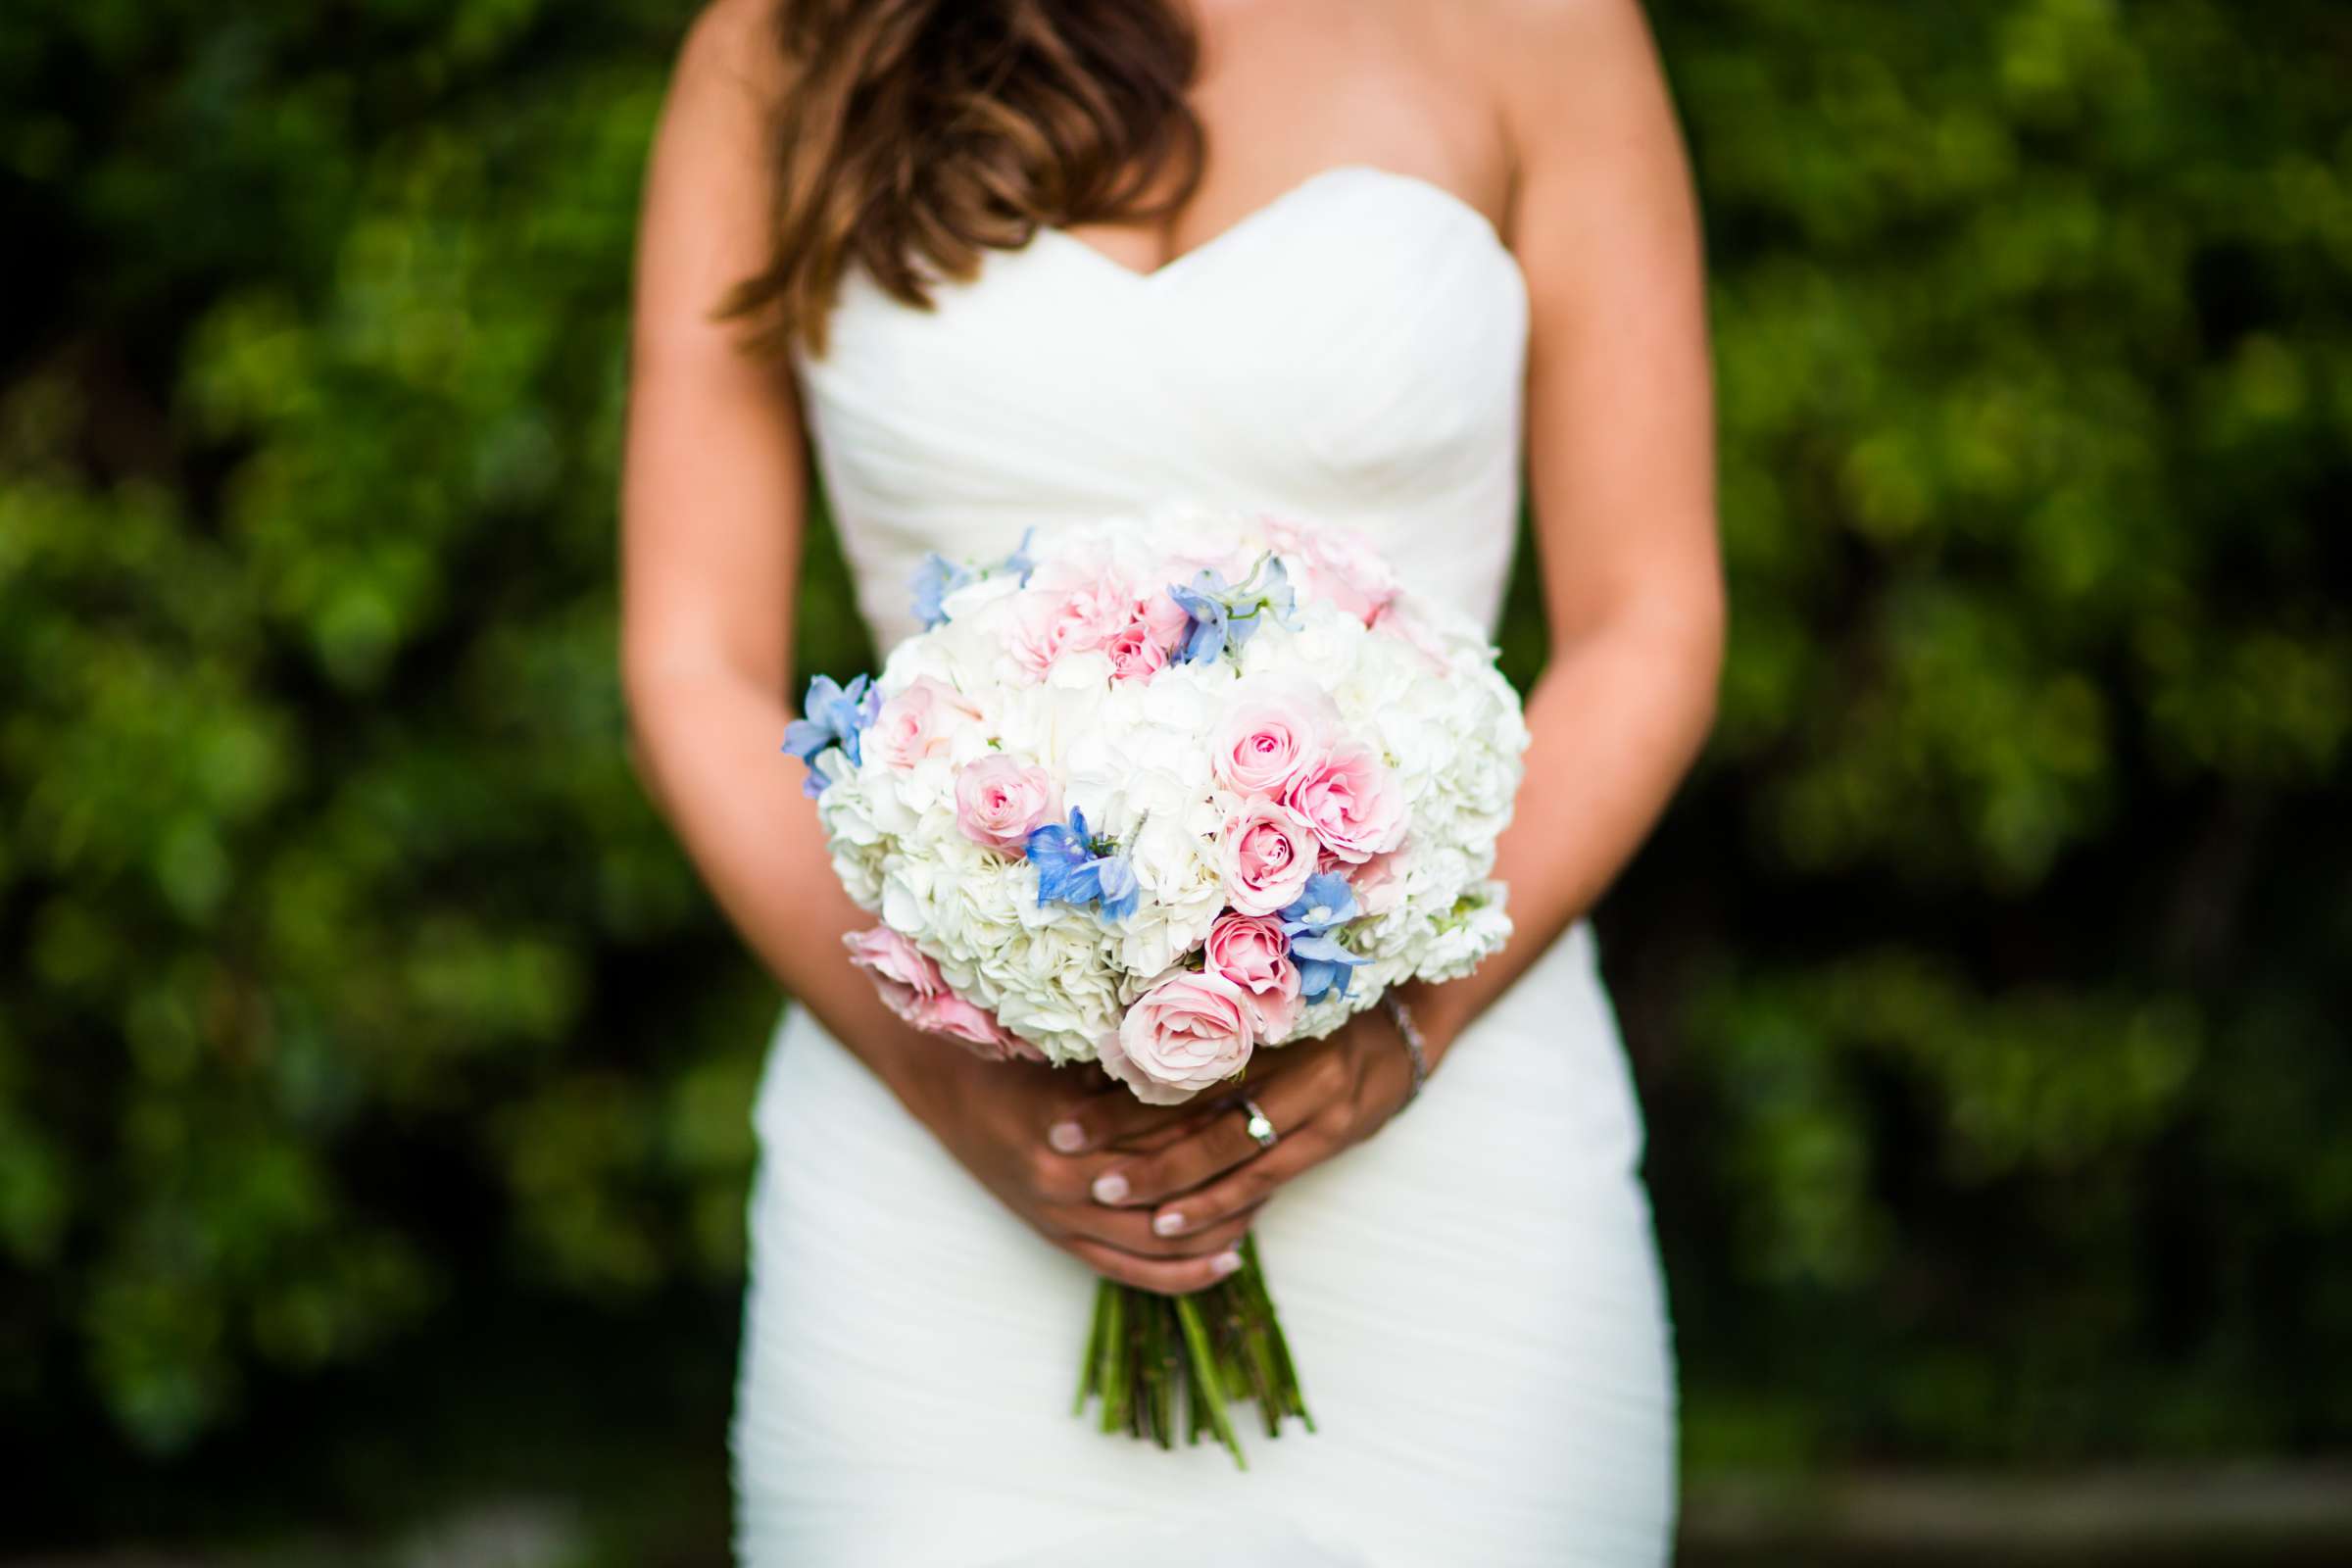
1414,1044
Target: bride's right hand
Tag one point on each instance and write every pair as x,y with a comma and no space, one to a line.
997,1120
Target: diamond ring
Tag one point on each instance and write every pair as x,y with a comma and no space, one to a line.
1259,1127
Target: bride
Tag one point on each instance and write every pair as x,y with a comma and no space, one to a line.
999,264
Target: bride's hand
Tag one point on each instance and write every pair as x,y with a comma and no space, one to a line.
1322,1095
1000,1120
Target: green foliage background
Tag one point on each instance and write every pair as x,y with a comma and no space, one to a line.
1986,986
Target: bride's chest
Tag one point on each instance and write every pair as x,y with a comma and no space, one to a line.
1367,324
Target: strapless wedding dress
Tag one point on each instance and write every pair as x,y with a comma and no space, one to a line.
1473,1296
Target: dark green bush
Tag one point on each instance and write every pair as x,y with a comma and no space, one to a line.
1986,984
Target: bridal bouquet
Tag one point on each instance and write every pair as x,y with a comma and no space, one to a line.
1160,793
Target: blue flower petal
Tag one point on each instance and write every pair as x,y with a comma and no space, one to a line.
933,580
1116,886
1325,903
1021,561
803,739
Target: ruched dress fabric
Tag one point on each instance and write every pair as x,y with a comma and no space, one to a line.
1473,1296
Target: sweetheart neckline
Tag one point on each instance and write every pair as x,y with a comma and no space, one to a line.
1290,196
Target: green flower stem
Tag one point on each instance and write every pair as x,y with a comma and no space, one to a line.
1114,1361
1146,1353
1090,1365
1285,1375
1204,1376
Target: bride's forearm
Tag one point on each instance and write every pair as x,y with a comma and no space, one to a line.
707,745
1616,719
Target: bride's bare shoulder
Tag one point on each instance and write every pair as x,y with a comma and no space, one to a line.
1578,88
734,46
1545,58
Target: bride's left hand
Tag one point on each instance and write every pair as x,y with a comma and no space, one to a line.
1322,1095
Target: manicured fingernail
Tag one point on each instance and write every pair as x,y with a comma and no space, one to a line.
1109,1187
1225,1263
1168,1224
1066,1136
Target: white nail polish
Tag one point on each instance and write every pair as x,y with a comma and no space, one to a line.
1225,1263
1109,1187
1166,1224
1066,1136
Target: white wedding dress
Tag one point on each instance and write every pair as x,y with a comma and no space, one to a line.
1473,1296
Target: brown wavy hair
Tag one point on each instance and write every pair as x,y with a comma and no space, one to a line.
919,131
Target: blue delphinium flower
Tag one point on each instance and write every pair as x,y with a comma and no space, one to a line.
1021,561
1115,887
1252,603
1202,600
1059,851
938,576
1074,867
1224,616
935,579
1322,906
834,714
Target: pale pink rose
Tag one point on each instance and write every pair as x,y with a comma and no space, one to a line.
1250,951
1265,744
1378,884
904,975
1352,802
911,985
1269,852
1134,654
1049,622
1164,619
1000,799
913,724
1186,1033
1333,563
952,1017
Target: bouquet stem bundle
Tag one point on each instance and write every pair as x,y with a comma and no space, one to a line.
1147,1353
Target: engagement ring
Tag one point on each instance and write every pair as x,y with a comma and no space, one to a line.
1259,1126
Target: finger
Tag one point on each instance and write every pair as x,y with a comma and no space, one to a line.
1222,1141
1103,1118
1160,1134
1168,1276
1130,1229
1242,1191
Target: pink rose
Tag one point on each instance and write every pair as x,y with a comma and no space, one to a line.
1266,742
913,724
912,987
952,1017
1164,620
1250,951
904,975
1000,799
1269,853
1134,654
1352,802
1186,1033
1335,563
1049,622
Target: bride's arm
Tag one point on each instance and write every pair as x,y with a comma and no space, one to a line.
712,505
712,508
1620,431
1621,454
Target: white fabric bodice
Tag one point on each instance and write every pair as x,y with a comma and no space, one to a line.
1354,351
